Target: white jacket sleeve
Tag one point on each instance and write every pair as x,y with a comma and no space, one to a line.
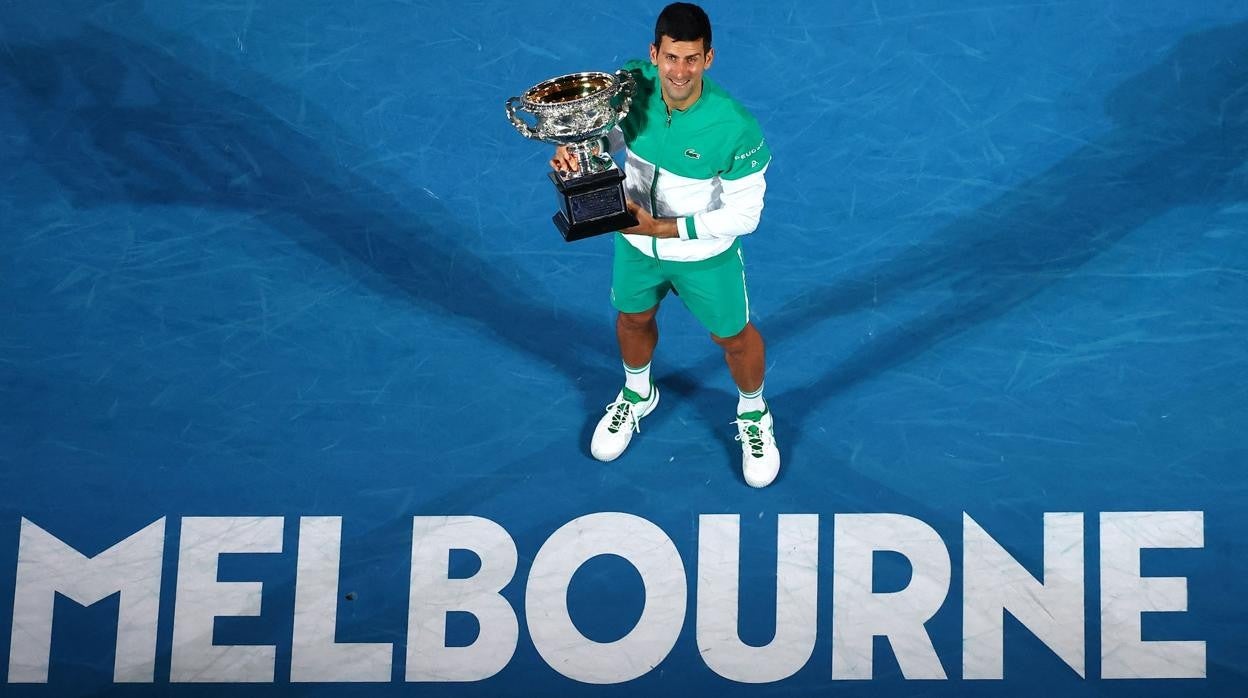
740,205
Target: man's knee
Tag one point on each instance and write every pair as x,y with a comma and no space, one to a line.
637,321
738,341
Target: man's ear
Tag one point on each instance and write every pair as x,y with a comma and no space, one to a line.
654,54
710,57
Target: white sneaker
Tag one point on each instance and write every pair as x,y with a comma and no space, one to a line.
622,419
760,458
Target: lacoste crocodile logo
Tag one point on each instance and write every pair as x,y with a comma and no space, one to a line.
691,153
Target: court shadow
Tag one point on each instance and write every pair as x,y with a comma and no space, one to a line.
1180,138
116,120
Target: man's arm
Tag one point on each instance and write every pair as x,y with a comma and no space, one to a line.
649,225
741,208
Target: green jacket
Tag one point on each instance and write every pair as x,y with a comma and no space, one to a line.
703,166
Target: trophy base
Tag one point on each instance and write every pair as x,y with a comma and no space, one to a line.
591,205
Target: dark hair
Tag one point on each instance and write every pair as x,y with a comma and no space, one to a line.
683,21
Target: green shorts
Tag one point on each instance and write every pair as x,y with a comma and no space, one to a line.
712,289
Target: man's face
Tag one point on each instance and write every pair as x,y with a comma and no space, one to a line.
680,66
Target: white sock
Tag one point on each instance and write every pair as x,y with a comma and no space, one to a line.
637,379
751,402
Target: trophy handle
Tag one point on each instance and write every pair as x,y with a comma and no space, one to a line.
524,129
628,88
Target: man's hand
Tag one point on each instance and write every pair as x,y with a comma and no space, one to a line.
649,225
564,161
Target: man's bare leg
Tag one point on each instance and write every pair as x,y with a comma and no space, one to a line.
746,357
638,334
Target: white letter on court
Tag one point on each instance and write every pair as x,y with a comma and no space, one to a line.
719,593
859,614
1125,594
201,598
647,548
46,566
994,582
314,654
433,593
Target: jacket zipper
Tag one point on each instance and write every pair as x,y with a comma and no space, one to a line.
654,204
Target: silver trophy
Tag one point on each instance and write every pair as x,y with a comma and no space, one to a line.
578,111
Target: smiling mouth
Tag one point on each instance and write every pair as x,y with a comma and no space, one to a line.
679,84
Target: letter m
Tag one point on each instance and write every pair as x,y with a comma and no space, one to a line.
47,567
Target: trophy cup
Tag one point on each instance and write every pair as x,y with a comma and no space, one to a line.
577,111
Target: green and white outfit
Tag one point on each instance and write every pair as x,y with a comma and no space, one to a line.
703,166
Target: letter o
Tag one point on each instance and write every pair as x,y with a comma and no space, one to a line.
648,549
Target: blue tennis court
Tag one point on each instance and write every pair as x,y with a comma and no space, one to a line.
299,378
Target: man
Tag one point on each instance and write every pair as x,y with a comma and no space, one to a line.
694,176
